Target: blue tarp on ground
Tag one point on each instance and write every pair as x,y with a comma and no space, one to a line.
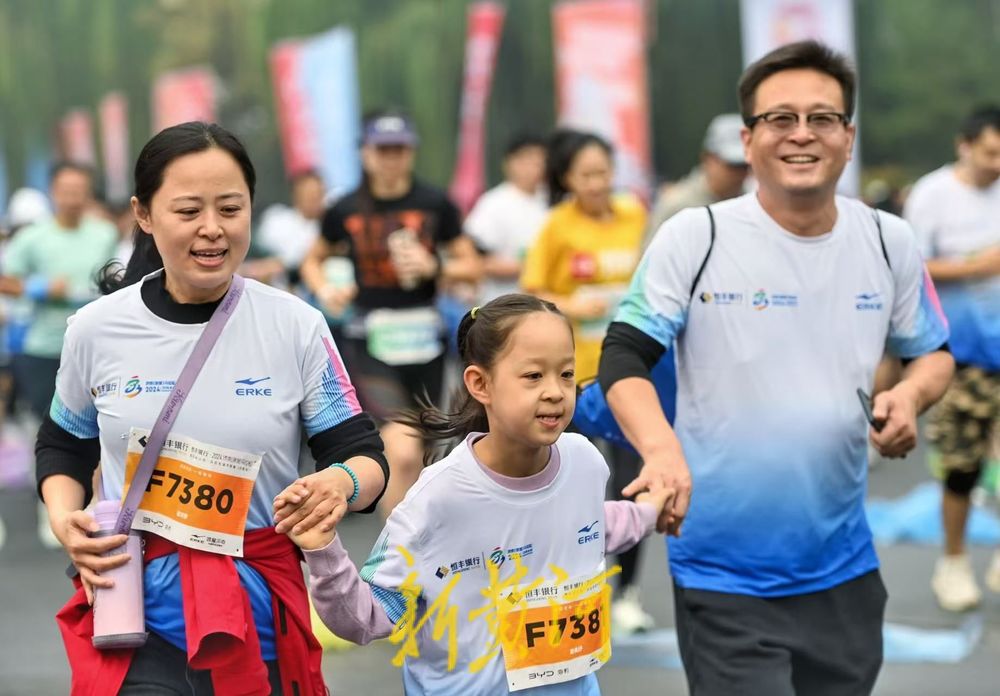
916,518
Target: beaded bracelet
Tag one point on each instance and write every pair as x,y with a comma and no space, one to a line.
354,477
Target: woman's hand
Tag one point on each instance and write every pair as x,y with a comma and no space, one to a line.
311,539
71,528
319,499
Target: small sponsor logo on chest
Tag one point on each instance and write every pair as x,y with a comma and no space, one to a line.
588,533
721,298
762,299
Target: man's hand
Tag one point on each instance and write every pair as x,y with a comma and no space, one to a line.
897,410
665,472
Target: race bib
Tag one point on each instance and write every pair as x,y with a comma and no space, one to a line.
555,633
404,336
198,495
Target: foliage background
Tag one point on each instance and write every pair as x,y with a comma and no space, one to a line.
923,64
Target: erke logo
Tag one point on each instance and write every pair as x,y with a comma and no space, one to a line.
250,389
869,301
588,535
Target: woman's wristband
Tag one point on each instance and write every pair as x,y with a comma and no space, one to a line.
354,478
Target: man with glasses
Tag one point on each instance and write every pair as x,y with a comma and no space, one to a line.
781,302
956,213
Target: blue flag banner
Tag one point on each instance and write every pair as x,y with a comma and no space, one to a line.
329,75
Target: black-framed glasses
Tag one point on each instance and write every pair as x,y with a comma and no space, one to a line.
820,122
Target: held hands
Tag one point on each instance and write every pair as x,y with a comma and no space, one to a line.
658,499
664,477
309,509
71,527
896,409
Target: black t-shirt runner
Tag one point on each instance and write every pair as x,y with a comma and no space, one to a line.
365,224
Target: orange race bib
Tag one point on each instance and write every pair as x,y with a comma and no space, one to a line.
198,495
555,633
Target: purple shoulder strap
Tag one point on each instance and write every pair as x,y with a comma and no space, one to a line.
154,443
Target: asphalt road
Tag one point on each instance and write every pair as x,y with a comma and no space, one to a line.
33,586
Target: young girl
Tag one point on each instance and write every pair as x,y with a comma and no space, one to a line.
517,503
582,260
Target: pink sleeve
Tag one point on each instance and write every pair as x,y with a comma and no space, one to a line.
627,523
343,600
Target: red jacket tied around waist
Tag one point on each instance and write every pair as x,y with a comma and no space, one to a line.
221,635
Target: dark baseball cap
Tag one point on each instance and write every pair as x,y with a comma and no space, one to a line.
389,129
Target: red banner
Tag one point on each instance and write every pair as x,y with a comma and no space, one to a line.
485,23
601,80
113,115
298,136
76,137
184,95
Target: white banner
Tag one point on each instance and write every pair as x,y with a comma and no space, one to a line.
767,24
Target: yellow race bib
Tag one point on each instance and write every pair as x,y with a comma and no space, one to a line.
555,633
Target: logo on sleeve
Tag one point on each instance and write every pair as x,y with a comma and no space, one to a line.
251,389
588,533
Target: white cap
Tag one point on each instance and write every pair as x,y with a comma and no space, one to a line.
723,140
27,205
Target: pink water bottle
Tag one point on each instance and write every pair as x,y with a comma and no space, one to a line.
119,613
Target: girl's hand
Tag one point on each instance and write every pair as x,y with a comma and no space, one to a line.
313,539
657,498
71,527
318,499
